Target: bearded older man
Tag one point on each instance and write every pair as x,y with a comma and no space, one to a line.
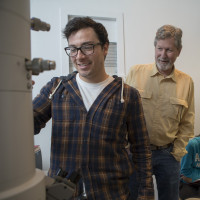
168,103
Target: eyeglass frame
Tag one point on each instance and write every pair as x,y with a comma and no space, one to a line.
80,48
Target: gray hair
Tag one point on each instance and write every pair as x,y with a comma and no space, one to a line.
169,31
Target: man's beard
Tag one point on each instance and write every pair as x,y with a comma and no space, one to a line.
164,67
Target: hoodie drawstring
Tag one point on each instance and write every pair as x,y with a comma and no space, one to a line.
51,95
122,99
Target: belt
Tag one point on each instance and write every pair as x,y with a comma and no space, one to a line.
154,147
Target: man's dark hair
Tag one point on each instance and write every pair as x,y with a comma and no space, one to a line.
78,23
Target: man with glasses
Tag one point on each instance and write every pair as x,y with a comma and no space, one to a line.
94,116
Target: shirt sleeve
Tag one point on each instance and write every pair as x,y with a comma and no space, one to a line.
186,127
140,147
130,77
42,107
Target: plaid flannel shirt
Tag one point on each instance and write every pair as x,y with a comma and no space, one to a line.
94,142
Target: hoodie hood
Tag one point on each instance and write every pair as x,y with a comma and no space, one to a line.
66,78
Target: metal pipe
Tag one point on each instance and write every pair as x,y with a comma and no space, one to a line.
19,179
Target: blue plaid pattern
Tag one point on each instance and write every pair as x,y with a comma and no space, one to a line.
94,142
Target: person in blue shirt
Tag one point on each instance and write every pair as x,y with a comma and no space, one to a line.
190,170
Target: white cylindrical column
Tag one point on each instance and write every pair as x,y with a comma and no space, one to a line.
19,180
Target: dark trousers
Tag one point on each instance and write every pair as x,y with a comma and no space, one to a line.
189,190
167,172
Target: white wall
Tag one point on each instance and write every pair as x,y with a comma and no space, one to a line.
142,18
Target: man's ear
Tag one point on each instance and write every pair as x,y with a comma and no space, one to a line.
105,49
179,51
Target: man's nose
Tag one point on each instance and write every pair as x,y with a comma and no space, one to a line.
163,53
79,53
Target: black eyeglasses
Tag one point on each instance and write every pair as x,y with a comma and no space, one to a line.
86,49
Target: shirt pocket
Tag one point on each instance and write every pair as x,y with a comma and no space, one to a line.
177,105
146,97
145,94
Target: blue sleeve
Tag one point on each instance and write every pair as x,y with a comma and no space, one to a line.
42,107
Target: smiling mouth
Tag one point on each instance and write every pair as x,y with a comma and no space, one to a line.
83,66
163,61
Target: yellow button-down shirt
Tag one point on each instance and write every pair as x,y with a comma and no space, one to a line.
168,104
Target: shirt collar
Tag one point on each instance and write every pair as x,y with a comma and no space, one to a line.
155,72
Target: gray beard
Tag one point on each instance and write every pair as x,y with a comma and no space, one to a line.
164,67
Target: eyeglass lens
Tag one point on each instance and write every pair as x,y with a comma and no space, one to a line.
85,49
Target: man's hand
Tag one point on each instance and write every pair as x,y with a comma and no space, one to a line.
186,179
